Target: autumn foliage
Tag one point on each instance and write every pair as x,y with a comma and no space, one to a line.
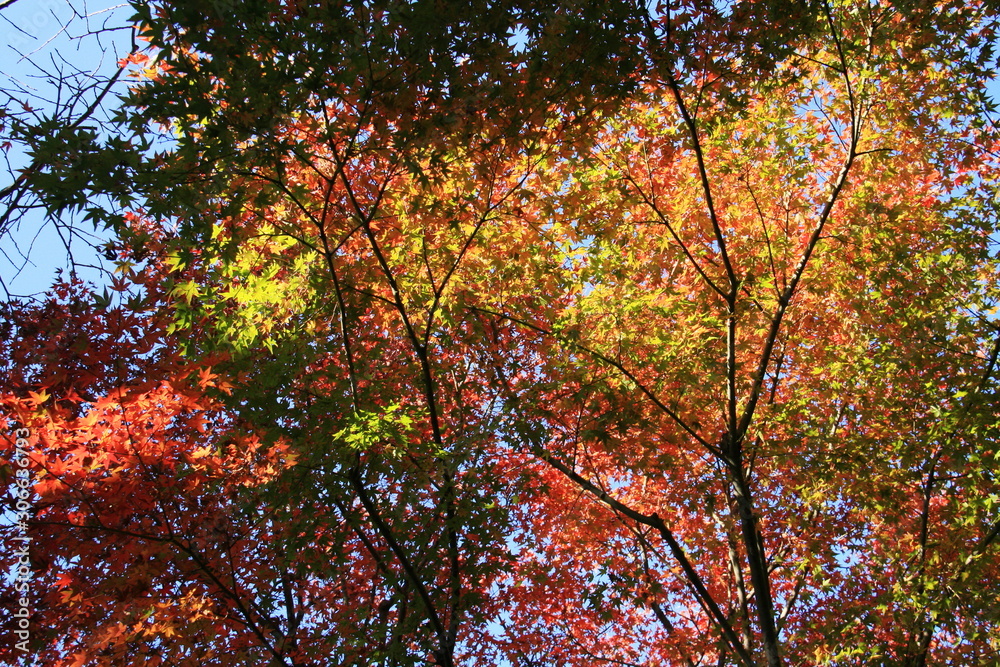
532,334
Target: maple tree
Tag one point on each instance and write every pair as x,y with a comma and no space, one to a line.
68,161
528,334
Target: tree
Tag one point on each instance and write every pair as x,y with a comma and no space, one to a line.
530,334
70,164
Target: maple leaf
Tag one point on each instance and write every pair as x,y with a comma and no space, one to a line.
38,398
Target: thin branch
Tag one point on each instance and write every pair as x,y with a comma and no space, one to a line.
620,368
654,521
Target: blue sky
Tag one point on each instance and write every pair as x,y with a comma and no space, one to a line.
41,36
